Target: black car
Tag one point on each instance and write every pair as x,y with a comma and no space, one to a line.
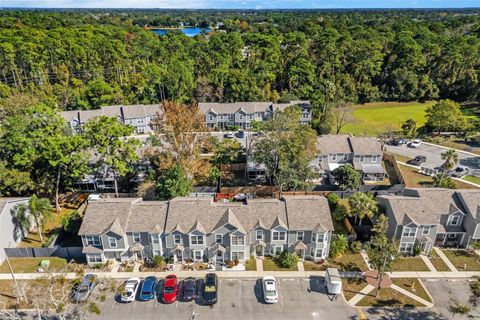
189,289
418,160
210,289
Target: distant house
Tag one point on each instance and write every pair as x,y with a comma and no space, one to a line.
433,217
241,114
11,232
200,229
364,153
138,116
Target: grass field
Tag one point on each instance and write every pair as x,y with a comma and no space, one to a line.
409,264
462,260
270,264
388,297
251,264
30,265
374,118
417,288
472,179
346,262
438,262
352,286
413,179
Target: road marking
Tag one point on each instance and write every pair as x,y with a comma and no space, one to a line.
114,303
134,303
176,304
361,315
240,300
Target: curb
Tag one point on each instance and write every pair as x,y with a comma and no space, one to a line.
458,150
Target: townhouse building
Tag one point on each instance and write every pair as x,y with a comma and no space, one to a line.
138,116
11,231
201,229
241,114
364,153
432,217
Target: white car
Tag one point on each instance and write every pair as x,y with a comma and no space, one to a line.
94,197
130,290
230,135
415,143
270,291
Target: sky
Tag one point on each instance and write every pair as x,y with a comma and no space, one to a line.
241,4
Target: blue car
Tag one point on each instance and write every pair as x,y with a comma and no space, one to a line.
148,289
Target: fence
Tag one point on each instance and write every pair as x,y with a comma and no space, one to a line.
57,251
391,159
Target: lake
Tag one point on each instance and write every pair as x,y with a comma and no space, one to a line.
191,32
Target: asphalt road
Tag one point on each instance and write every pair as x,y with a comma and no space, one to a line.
434,156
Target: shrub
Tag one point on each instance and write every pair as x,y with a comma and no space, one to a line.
157,261
476,245
236,261
332,199
339,246
169,259
71,222
340,212
356,246
287,259
416,250
230,264
102,297
93,308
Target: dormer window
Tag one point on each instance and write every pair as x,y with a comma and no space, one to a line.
409,231
259,235
455,220
279,235
218,238
112,242
136,236
196,240
177,239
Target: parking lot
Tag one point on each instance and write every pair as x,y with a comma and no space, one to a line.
240,299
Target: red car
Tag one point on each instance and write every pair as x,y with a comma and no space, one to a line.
169,294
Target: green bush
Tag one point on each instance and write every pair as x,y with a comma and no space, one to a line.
71,222
340,212
416,250
157,261
339,246
356,247
287,259
476,245
332,199
93,308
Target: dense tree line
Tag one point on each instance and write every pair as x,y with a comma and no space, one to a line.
88,58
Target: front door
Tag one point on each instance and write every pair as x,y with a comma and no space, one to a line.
300,253
259,250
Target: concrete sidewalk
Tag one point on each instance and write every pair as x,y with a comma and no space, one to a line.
412,296
445,259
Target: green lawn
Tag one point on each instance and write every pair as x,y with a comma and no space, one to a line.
461,258
30,265
346,262
438,262
388,298
251,264
352,286
414,179
374,118
270,264
472,179
409,264
416,289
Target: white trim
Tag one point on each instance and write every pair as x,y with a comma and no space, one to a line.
406,243
197,237
256,235
139,236
175,235
426,227
303,235
110,243
221,237
279,233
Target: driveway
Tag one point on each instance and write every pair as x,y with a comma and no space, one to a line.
434,156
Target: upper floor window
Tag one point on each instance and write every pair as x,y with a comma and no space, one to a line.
92,240
334,157
345,157
425,230
238,241
177,238
374,159
210,118
155,238
409,231
218,238
112,242
362,158
136,236
279,235
300,235
231,117
259,235
240,117
455,220
196,240
320,237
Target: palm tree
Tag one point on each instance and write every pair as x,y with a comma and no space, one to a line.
40,209
20,212
451,159
362,205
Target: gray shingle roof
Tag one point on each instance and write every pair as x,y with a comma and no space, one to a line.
308,212
332,143
365,146
128,112
248,107
147,216
471,200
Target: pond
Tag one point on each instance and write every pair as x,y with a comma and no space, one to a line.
190,32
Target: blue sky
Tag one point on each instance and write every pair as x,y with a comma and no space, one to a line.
247,4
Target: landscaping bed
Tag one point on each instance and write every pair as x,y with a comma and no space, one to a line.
352,286
345,262
269,264
30,265
463,258
414,179
251,264
388,298
417,289
438,262
409,264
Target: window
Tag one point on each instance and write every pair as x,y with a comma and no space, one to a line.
314,236
238,241
321,238
451,235
425,230
320,159
406,246
345,157
218,238
409,232
279,235
155,238
95,241
240,255
210,118
197,254
157,253
318,253
300,235
374,159
455,221
177,239
312,252
95,258
231,117
112,242
334,157
277,249
362,158
136,237
196,240
259,235
240,117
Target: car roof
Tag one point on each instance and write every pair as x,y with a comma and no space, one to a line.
170,280
270,285
210,277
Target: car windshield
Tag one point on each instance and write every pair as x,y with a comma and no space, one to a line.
146,292
82,288
271,293
169,290
210,289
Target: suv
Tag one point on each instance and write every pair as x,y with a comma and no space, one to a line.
459,172
417,161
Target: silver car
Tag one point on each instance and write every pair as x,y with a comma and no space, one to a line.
84,288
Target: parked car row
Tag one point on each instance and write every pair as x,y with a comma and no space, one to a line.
168,290
402,141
